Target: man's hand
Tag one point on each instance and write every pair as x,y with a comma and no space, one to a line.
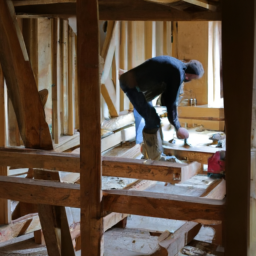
121,71
182,133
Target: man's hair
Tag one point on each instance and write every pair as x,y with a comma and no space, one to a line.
195,67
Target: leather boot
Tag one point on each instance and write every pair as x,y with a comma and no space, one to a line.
152,147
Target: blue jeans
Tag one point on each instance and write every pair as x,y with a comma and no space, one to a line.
144,108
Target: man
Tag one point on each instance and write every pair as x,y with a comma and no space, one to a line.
160,75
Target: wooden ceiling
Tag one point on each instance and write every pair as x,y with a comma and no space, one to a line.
176,10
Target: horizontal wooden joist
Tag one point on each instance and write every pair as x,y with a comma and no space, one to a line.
111,10
130,202
148,169
40,192
199,154
162,205
30,158
111,166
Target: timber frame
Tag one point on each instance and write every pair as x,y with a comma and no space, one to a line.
235,16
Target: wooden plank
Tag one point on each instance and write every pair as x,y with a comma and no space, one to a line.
200,155
108,92
218,192
235,245
40,192
67,142
48,226
199,3
110,53
148,169
21,226
28,108
202,111
215,125
71,82
112,166
120,10
64,83
90,137
5,208
162,205
176,241
112,219
30,33
107,40
111,141
56,234
29,2
39,159
55,79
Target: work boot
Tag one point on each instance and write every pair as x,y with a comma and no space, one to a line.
152,147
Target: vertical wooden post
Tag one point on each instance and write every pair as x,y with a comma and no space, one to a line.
150,38
123,61
90,132
117,65
30,33
5,209
55,79
238,78
71,81
65,76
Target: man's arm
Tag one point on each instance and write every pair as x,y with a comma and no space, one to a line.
170,100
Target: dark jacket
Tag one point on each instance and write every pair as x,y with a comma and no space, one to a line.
162,75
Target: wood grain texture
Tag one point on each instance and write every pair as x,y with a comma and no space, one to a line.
21,85
55,79
162,205
21,226
5,209
47,220
238,186
180,238
200,155
120,10
148,169
39,159
90,128
40,192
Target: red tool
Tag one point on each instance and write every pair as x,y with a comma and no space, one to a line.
216,165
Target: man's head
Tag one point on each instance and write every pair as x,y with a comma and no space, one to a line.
194,70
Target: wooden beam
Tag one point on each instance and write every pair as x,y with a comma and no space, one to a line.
118,10
215,125
111,166
237,17
5,206
90,128
35,2
162,205
149,169
21,83
40,192
180,238
199,3
54,222
200,155
108,92
122,201
55,79
21,226
39,159
201,112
